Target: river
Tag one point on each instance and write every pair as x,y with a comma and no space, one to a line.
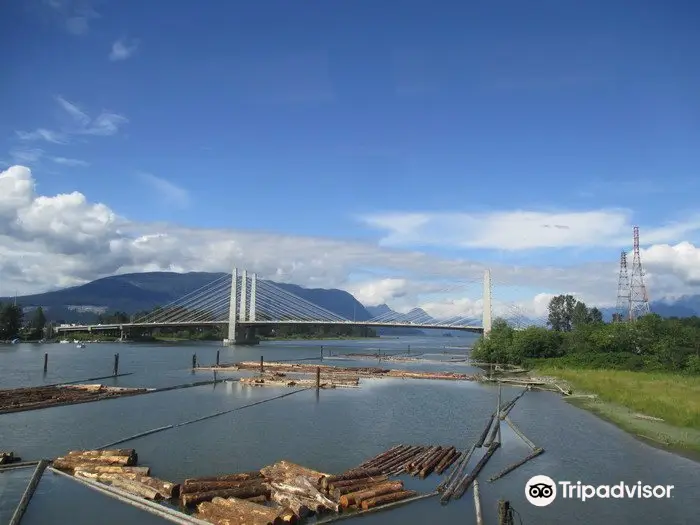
330,431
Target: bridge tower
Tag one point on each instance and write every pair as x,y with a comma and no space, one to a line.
487,303
239,317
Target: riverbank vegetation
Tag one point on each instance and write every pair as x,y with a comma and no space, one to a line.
577,337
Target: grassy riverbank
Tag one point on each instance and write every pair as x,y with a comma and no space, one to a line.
661,408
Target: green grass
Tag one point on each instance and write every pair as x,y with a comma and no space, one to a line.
623,394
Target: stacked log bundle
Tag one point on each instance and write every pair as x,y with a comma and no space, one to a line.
117,467
275,381
417,460
31,398
331,373
9,457
241,486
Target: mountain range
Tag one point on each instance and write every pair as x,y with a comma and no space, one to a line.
137,292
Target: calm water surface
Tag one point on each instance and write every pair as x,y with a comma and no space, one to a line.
331,431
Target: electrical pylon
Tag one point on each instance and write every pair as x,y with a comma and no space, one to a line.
639,299
622,311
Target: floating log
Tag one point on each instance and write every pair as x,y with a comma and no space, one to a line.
485,432
353,475
248,491
99,469
431,465
315,494
285,470
291,502
369,462
447,461
190,486
464,484
477,504
494,432
241,476
448,484
137,488
104,477
417,460
113,452
520,434
356,487
355,498
257,499
234,511
515,465
167,489
387,498
398,461
437,454
124,461
357,481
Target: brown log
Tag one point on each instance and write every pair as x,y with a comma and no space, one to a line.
190,486
252,512
336,493
415,465
241,476
125,461
447,460
101,469
240,514
355,498
112,452
285,470
393,459
167,489
292,502
399,460
257,499
137,488
326,481
248,491
376,459
315,494
105,477
387,498
430,465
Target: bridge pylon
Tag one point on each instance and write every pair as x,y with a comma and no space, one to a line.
238,332
487,315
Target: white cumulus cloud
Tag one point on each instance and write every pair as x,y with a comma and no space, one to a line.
520,230
123,49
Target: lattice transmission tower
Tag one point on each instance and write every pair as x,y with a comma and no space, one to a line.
623,291
639,299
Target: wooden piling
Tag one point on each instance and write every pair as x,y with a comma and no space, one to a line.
46,362
477,504
318,377
262,365
217,357
194,361
116,365
498,412
505,513
321,352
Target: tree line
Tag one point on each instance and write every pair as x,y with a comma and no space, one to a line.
576,335
13,326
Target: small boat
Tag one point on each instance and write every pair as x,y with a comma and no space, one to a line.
14,341
64,341
80,345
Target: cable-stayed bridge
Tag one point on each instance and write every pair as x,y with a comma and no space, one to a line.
243,302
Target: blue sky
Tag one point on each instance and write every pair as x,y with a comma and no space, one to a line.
416,125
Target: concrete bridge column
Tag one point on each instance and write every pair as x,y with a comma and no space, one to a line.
233,309
251,314
487,321
244,295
